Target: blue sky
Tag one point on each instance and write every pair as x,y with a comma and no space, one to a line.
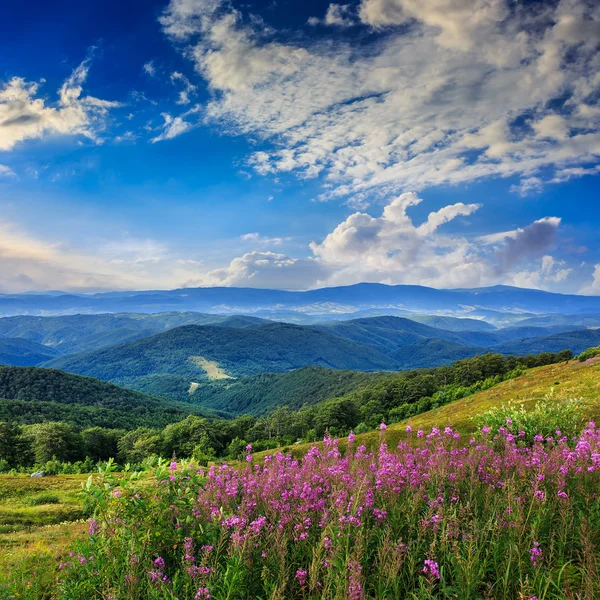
450,143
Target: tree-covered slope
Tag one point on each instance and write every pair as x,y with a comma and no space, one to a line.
388,334
276,347
433,353
259,394
576,341
25,353
30,395
84,333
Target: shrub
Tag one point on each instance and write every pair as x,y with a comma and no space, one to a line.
589,353
548,418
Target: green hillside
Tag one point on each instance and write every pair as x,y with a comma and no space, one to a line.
184,351
259,394
576,341
32,395
453,323
562,381
428,352
25,353
84,333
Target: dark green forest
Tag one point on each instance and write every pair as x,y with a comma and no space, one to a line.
388,397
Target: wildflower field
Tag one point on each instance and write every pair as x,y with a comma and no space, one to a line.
494,515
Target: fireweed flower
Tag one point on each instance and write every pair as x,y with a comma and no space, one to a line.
535,554
431,569
301,576
383,427
324,501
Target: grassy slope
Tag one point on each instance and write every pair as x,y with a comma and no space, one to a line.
32,537
564,381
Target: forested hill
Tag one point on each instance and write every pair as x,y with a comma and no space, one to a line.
69,334
276,347
30,395
259,394
15,351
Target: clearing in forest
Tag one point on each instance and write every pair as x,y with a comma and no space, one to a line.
210,367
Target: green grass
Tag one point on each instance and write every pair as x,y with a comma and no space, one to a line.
39,519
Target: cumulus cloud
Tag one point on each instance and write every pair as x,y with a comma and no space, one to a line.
339,15
24,115
594,287
392,249
532,241
549,272
270,270
455,91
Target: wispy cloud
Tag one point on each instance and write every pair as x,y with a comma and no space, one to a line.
6,171
256,238
25,115
464,90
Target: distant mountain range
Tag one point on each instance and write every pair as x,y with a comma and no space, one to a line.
237,362
335,301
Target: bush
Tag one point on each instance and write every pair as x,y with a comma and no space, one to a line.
589,353
548,418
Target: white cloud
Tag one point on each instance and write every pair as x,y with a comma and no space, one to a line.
339,15
550,271
393,249
174,126
270,270
460,22
6,171
24,115
465,89
529,185
593,289
28,263
149,68
188,89
256,238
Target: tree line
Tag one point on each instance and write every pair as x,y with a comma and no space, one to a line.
56,445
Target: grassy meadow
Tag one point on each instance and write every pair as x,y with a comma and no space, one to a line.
39,519
141,548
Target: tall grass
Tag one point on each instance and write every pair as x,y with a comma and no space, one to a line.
436,517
